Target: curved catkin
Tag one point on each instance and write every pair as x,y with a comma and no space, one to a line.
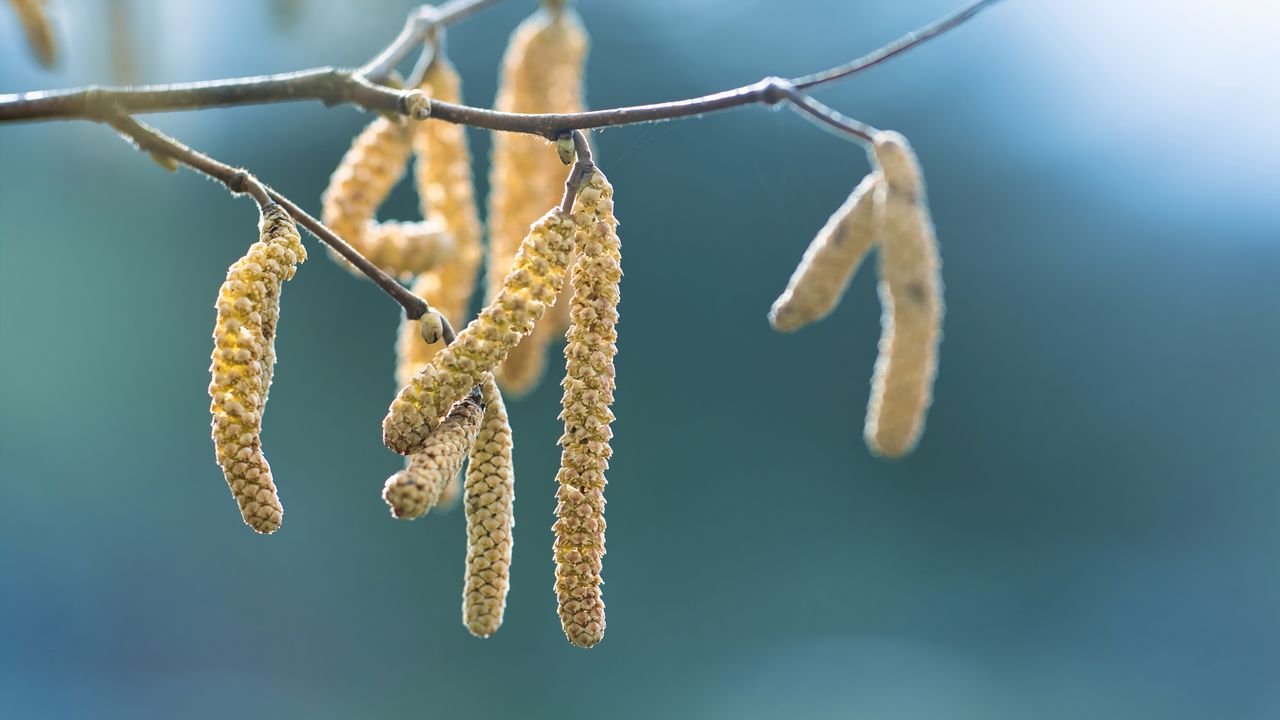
533,282
488,502
588,393
911,295
830,262
372,166
413,491
38,29
243,356
407,249
542,72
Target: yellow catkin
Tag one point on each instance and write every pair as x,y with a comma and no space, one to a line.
38,29
372,166
407,249
588,393
243,357
490,494
830,262
542,72
533,282
911,297
413,491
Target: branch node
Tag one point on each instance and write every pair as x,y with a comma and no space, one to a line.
773,90
416,105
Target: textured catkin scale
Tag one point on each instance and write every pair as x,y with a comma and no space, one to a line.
372,166
38,29
542,72
407,249
488,502
243,356
588,393
830,262
535,278
413,491
911,296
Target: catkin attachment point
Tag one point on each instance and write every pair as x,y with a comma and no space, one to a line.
416,104
430,327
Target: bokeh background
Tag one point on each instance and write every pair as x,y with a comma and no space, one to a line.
1089,528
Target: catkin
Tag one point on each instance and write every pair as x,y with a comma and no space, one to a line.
588,393
372,166
542,72
38,29
413,491
533,282
243,357
830,262
407,249
911,296
490,494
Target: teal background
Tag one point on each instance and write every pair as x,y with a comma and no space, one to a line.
1089,528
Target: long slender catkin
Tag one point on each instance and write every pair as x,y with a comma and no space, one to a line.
413,491
407,249
243,357
488,501
373,165
911,297
588,393
38,29
542,72
532,284
830,262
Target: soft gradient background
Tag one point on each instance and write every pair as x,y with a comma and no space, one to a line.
1089,528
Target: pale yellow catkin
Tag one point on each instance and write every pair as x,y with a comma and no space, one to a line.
533,282
542,72
243,357
407,249
368,171
413,491
588,393
38,29
911,297
830,262
488,502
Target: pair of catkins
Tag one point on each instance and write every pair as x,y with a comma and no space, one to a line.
888,210
551,271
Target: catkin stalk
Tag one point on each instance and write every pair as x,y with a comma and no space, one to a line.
368,171
830,262
911,297
243,357
413,491
488,502
588,393
542,72
532,284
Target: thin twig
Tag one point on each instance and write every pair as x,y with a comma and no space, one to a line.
829,118
416,28
583,165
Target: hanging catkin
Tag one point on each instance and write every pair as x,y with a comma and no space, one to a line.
532,284
588,393
829,263
372,166
39,31
243,357
407,249
911,297
490,493
413,491
542,72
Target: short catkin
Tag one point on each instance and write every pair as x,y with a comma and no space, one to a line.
416,489
39,31
542,72
830,262
911,297
488,502
373,165
588,393
533,282
243,357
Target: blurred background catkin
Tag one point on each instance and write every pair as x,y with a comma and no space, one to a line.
1088,528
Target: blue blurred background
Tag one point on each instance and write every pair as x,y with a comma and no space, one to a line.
1089,528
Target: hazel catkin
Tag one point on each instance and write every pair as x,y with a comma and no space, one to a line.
911,296
532,284
373,165
39,31
414,490
830,262
542,72
488,502
243,357
406,249
588,393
